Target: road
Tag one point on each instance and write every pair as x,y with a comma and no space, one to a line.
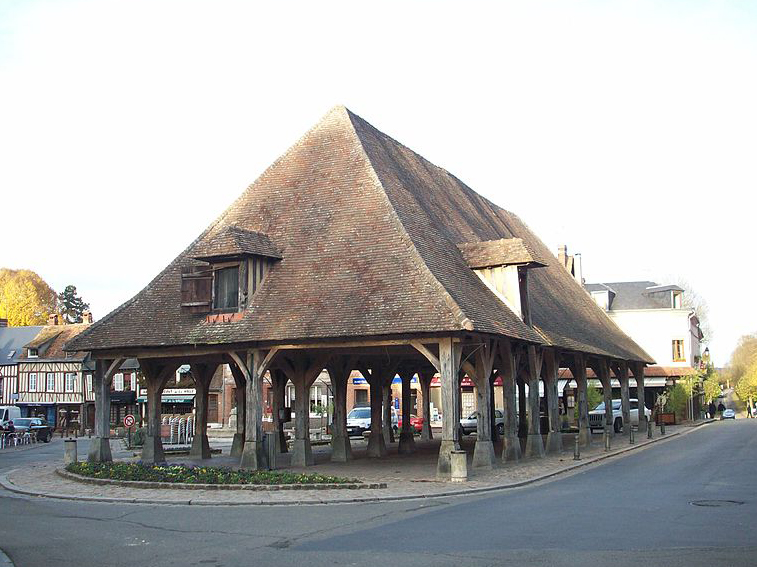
628,511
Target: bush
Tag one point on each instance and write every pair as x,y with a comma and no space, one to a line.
138,438
678,399
197,475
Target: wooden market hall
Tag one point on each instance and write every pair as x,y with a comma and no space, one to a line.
352,252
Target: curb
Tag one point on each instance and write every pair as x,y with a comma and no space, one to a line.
8,485
180,486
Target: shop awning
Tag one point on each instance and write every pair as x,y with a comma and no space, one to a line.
188,399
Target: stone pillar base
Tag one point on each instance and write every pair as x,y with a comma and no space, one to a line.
376,445
407,443
99,450
253,456
458,466
642,423
584,437
341,450
237,445
534,446
200,447
483,454
302,455
554,443
511,449
444,464
152,450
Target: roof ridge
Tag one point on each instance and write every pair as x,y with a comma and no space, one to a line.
455,310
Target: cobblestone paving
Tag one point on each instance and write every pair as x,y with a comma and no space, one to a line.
406,476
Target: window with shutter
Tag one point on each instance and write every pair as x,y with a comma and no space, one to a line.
196,289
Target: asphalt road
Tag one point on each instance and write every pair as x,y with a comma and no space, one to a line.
634,510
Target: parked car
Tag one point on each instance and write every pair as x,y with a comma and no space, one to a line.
728,414
35,425
470,424
359,421
597,415
9,413
416,423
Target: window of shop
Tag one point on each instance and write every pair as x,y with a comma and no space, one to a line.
118,382
361,398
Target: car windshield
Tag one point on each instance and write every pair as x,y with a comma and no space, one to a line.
472,416
359,413
22,422
2,414
600,407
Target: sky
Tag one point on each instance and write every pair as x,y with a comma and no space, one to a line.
625,130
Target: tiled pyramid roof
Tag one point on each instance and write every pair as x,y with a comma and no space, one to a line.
368,232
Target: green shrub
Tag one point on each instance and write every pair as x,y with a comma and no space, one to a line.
678,399
197,475
139,436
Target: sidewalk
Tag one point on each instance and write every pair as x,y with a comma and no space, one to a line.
407,477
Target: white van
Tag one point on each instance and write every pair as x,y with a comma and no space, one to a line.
9,413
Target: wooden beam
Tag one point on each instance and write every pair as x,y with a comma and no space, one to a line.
421,348
267,360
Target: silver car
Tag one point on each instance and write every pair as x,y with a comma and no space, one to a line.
470,424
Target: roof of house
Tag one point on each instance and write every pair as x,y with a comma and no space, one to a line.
234,241
368,233
636,295
12,341
500,252
50,342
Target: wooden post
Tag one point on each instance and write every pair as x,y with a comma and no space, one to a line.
551,374
240,394
376,443
638,372
407,440
99,451
279,383
522,405
625,399
202,374
425,380
483,454
603,367
534,442
339,373
387,427
449,364
509,360
156,376
584,432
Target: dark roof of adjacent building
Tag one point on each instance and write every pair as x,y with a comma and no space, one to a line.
50,342
636,295
368,232
12,341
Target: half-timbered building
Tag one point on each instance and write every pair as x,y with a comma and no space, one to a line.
352,252
12,341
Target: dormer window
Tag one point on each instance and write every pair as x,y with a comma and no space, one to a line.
503,265
238,262
226,288
677,300
33,353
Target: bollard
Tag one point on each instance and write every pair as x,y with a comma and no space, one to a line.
607,439
576,449
270,446
662,428
650,427
631,439
69,451
458,466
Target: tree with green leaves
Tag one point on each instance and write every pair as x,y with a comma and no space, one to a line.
72,306
25,298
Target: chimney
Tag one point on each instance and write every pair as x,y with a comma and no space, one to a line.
3,322
52,319
562,255
578,270
86,317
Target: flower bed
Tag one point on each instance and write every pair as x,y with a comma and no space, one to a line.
180,474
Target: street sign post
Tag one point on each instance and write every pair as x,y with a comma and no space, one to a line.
129,423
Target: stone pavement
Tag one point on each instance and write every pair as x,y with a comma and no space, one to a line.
406,476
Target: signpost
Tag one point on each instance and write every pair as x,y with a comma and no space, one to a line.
129,423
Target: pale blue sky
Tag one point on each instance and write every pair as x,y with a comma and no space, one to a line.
626,130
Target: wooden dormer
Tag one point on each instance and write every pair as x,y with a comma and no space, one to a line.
237,262
503,266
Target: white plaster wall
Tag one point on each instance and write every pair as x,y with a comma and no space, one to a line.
655,329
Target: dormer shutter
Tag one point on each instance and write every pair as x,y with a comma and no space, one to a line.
196,289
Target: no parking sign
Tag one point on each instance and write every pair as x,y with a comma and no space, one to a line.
129,420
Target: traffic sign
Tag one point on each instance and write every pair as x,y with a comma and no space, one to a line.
129,420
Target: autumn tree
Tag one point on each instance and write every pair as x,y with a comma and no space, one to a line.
25,298
742,368
72,307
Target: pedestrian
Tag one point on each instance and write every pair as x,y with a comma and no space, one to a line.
711,409
748,411
721,408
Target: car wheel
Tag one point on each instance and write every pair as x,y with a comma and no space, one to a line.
618,425
501,429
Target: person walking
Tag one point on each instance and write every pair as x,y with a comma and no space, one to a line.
749,411
711,409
